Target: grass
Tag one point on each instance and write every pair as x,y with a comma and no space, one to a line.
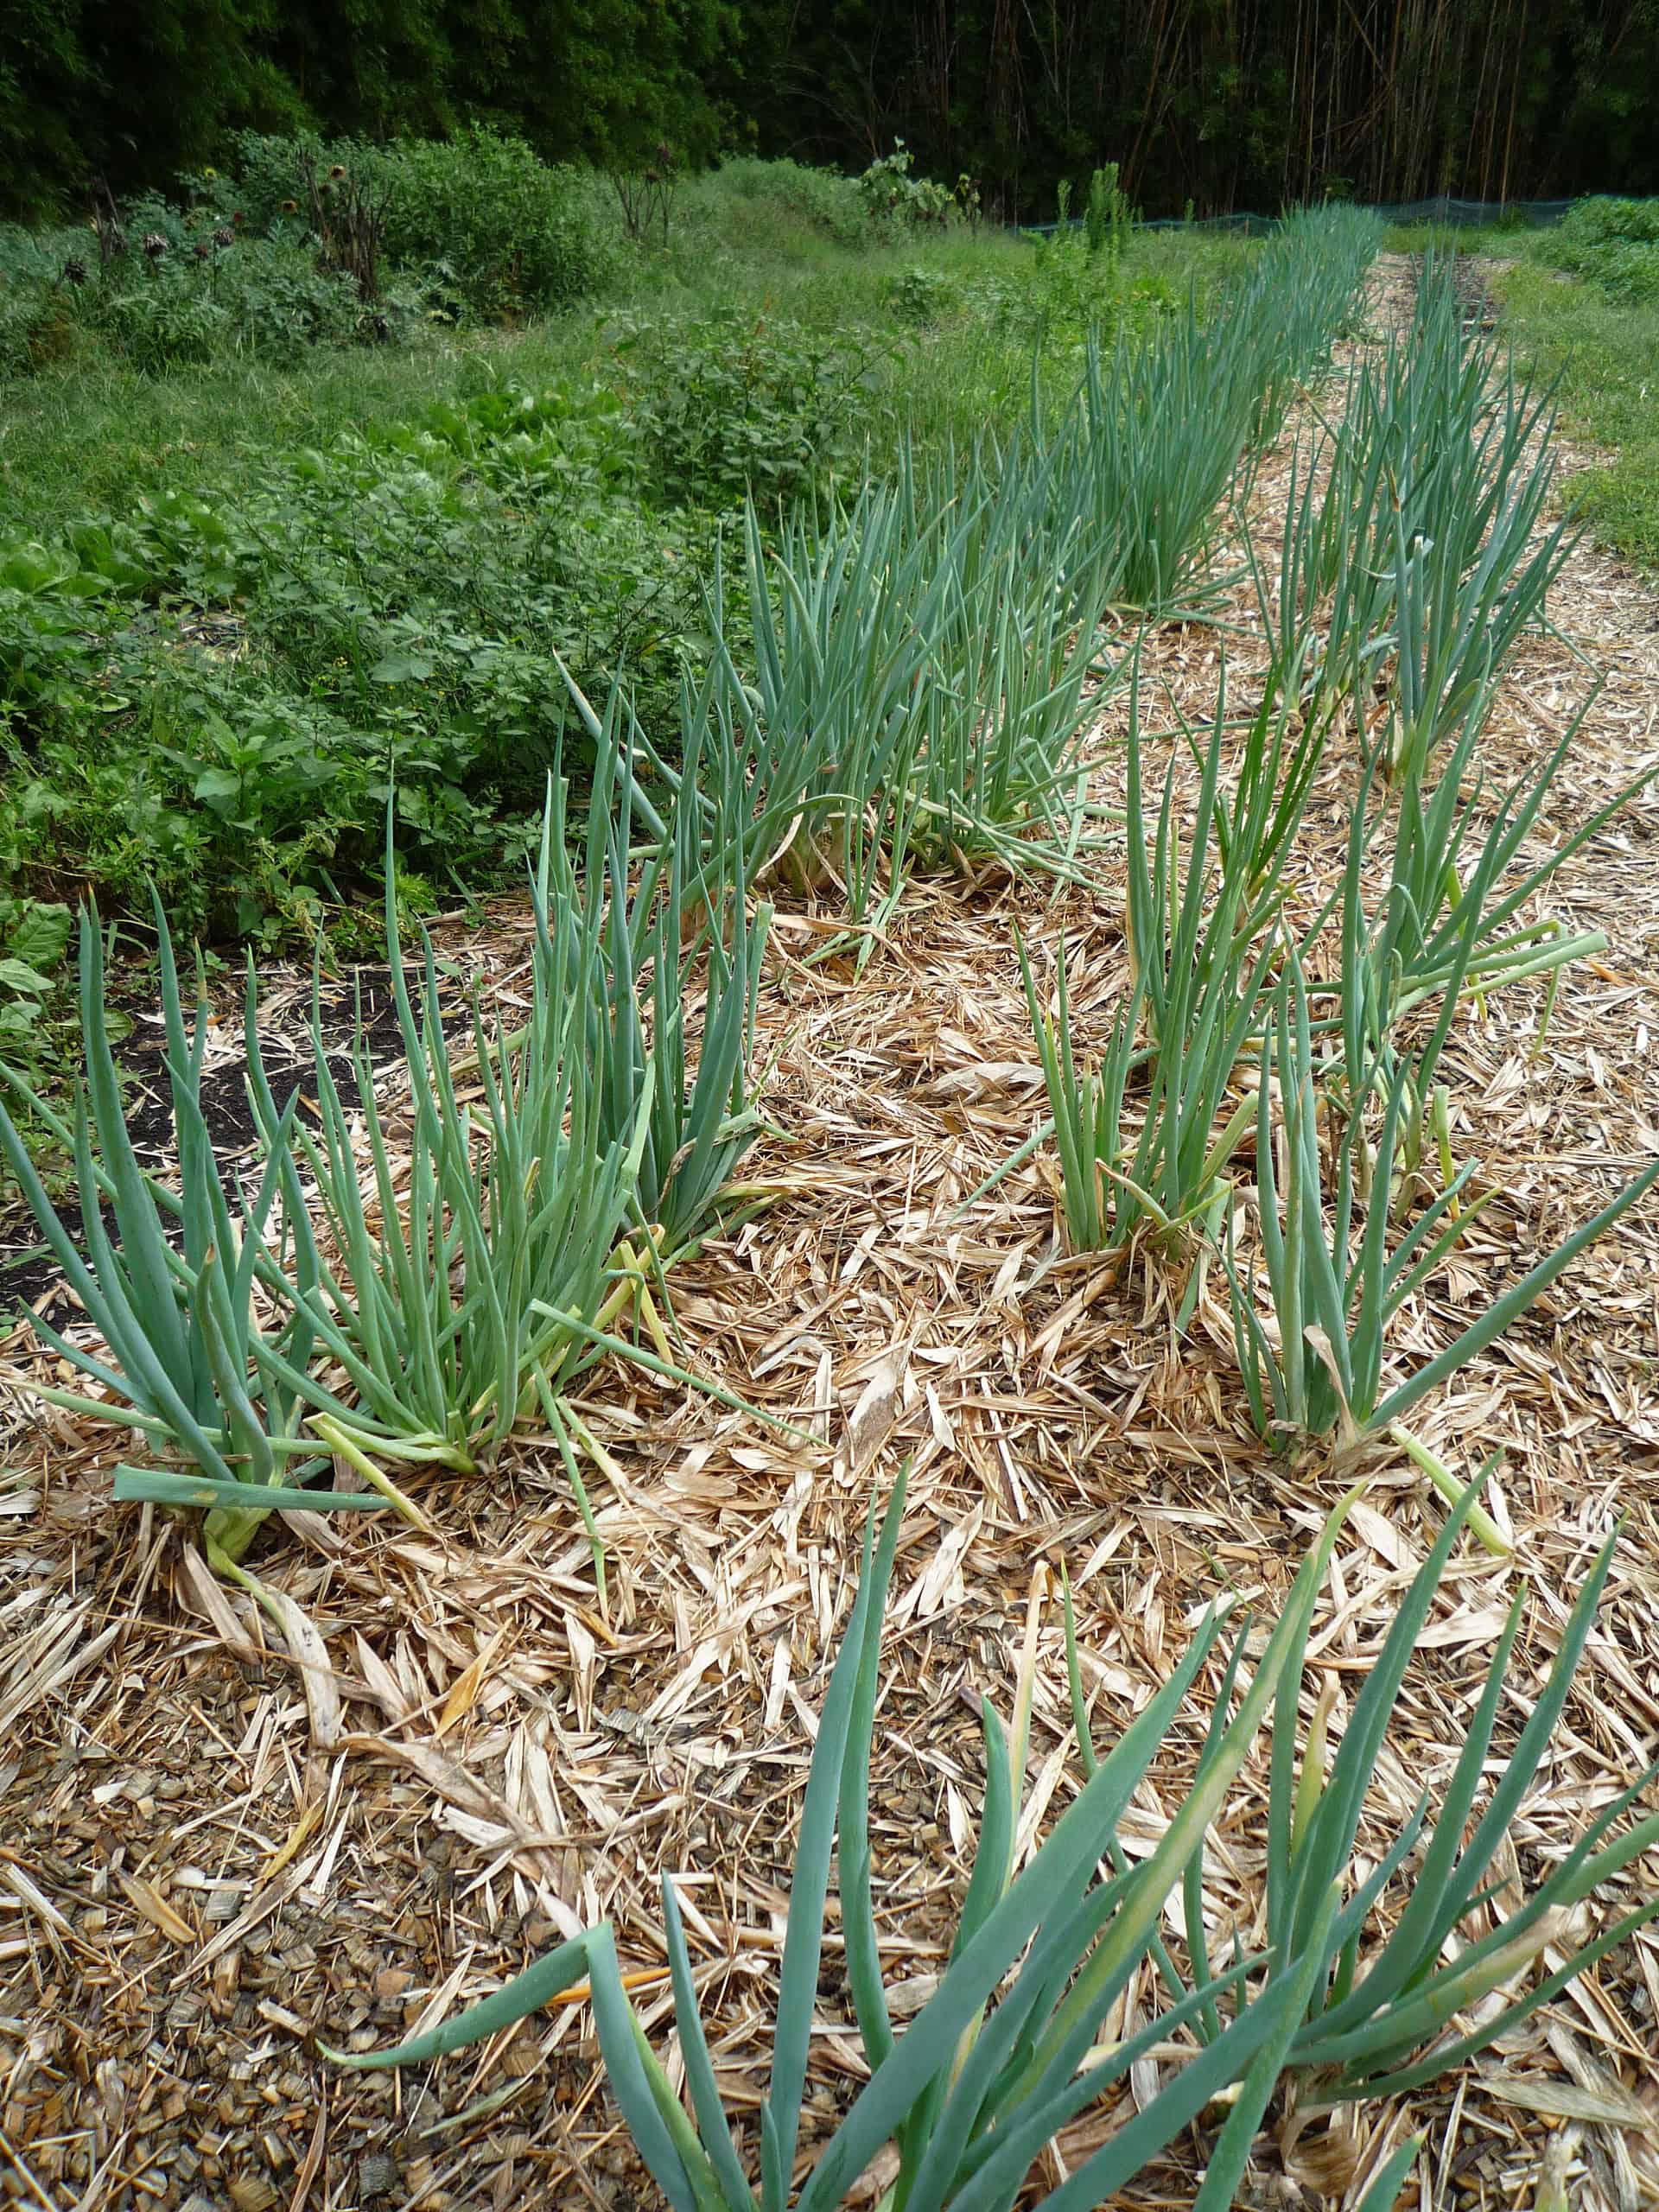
96,434
1603,356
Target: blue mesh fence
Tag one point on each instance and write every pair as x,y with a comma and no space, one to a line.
1451,214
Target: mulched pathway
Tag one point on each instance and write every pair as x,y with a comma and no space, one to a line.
207,1859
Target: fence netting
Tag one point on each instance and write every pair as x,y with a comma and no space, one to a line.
1444,212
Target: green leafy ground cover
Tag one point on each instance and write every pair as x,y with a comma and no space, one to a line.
248,589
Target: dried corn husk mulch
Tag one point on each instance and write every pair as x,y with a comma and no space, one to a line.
212,1846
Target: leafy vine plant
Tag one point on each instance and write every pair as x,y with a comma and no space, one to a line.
893,195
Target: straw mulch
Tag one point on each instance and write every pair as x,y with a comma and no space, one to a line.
214,1847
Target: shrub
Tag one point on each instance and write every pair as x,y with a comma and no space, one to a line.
921,294
1600,221
405,604
896,199
1615,243
487,209
734,403
212,286
482,212
760,192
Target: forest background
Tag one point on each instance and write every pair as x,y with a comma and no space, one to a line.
1208,105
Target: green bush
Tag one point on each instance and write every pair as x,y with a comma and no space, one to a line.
898,200
1614,243
401,604
733,403
1601,221
1622,269
490,210
480,213
191,286
922,294
760,193
269,186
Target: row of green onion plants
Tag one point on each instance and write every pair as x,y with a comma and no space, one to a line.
1415,555
398,1286
1373,1967
916,666
1417,541
1219,1034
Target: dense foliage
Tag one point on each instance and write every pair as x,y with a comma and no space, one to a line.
217,665
1239,107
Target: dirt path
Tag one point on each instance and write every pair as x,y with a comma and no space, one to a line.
198,1870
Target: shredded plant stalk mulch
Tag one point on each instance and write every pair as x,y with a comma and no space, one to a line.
213,1847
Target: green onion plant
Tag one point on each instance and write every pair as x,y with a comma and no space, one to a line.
998,766
1336,1276
1161,428
420,1292
1414,546
1007,2051
1201,945
1462,873
679,919
1375,2014
189,1359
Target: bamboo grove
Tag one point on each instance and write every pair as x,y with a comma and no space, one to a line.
1250,107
